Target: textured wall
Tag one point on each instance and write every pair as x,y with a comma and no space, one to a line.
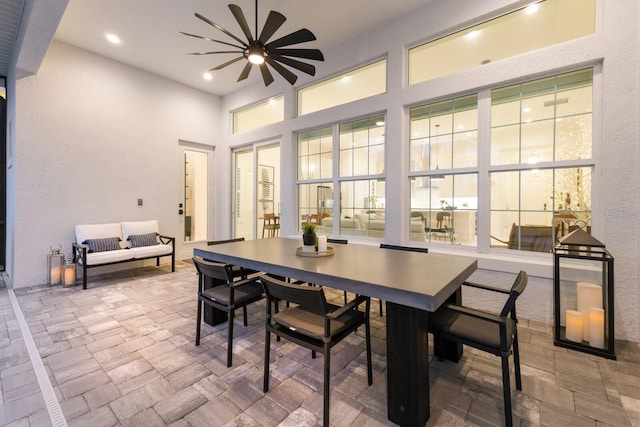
93,136
613,50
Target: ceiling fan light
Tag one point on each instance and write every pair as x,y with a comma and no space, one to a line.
255,55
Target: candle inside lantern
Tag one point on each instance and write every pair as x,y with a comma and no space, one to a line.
56,275
322,243
575,325
596,327
69,276
589,295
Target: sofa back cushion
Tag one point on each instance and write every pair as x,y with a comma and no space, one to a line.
97,231
138,227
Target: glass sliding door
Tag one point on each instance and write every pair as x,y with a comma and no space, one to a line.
256,188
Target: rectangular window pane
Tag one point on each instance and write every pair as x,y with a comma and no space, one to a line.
315,156
352,86
362,146
315,203
446,208
542,121
363,208
259,115
531,209
536,26
444,135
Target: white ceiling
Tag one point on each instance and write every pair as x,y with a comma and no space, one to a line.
150,30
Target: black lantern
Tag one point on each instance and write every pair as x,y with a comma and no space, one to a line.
583,295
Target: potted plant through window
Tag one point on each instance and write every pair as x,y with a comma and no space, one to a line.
309,233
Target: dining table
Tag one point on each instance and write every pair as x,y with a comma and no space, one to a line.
412,284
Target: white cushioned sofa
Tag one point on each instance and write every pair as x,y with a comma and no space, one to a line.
98,245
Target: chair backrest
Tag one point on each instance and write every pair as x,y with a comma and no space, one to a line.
404,248
538,238
220,242
338,241
310,297
517,289
215,270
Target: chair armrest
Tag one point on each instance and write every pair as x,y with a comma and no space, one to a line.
490,317
486,287
342,310
167,239
253,279
79,252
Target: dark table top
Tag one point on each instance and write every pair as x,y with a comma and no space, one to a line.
413,279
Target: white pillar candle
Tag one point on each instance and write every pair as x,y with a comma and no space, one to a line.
575,325
55,275
308,248
589,295
322,243
596,327
69,276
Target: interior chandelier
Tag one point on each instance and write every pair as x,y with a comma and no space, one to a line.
259,51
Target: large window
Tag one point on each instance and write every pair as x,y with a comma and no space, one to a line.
356,84
359,207
256,116
538,25
541,168
443,161
537,156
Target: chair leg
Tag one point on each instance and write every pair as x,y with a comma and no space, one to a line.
230,340
313,354
326,386
381,312
506,390
345,297
367,337
267,355
516,361
198,321
244,315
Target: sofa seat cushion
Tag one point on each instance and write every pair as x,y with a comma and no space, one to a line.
151,251
98,258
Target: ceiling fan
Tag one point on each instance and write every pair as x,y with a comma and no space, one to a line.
259,51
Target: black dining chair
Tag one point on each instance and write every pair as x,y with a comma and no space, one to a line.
313,323
339,242
236,269
490,332
400,248
227,294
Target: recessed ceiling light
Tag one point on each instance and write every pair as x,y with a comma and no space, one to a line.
113,38
531,9
207,76
472,34
379,123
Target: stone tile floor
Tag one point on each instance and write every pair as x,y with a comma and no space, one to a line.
123,353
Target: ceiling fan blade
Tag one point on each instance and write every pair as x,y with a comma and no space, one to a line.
288,75
208,21
299,36
211,40
245,71
301,53
273,23
302,66
209,53
221,66
237,12
266,74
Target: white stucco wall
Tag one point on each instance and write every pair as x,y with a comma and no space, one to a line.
93,136
614,48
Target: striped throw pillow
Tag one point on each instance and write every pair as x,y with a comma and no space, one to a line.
138,240
102,245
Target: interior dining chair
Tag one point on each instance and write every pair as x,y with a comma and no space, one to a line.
494,333
270,224
226,294
400,248
312,322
